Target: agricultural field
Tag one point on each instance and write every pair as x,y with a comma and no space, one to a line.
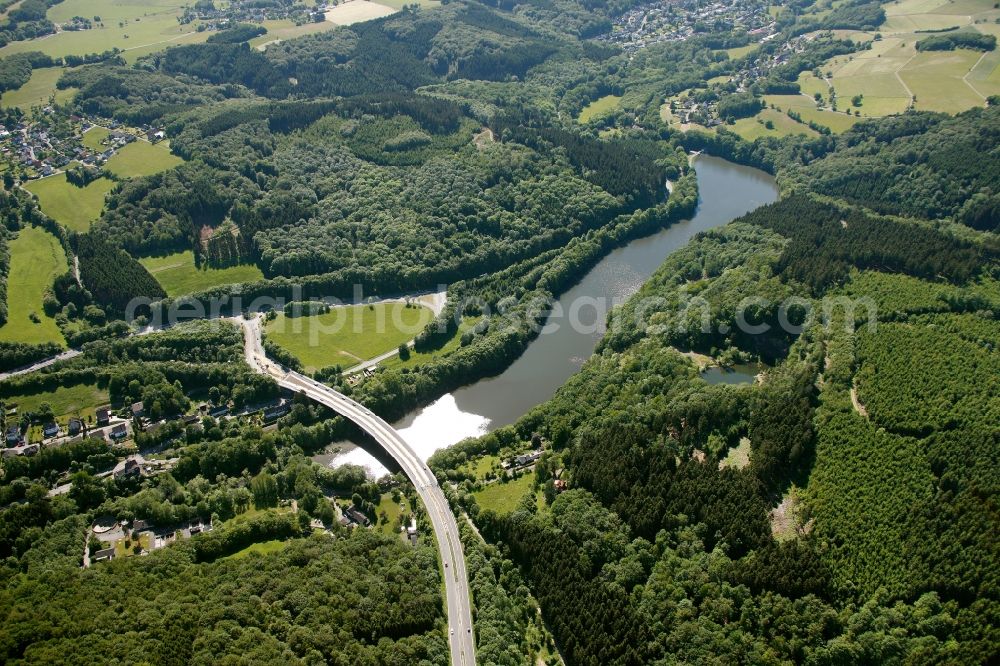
599,107
348,335
73,207
141,158
36,259
892,75
178,275
137,27
503,498
39,89
358,11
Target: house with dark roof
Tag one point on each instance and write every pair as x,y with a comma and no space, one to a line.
14,435
50,429
357,517
119,432
75,426
131,468
103,416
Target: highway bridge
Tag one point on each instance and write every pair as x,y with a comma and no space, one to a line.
461,639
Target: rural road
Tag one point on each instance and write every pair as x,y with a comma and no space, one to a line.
460,635
69,353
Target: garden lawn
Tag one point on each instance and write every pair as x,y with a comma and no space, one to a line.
348,335
178,275
71,206
36,258
503,498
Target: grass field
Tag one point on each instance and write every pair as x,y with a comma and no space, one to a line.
262,548
348,335
141,158
937,80
137,26
72,206
178,275
806,107
358,11
740,51
280,30
399,4
417,358
504,497
36,258
80,400
753,128
481,466
92,138
738,456
599,107
892,72
38,90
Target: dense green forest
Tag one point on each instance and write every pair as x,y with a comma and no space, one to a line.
664,542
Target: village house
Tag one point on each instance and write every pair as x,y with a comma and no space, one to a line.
14,435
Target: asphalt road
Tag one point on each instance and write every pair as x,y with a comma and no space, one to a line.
460,635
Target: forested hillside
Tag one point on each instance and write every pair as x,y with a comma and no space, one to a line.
888,501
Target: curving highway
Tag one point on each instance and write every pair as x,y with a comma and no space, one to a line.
460,635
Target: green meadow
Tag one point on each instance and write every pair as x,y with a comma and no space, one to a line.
141,158
781,125
93,137
599,107
503,498
892,75
36,259
137,27
38,91
418,358
178,275
348,335
72,206
80,400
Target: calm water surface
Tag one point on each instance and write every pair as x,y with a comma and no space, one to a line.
726,191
